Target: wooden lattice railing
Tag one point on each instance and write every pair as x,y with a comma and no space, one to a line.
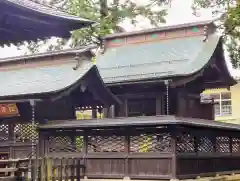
42,169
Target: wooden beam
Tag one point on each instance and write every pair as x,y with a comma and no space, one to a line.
18,100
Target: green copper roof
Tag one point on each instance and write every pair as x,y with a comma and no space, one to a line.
46,79
43,79
164,59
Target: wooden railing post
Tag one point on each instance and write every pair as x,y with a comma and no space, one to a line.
127,151
72,169
42,169
54,170
32,169
78,171
61,170
66,170
174,133
49,169
13,168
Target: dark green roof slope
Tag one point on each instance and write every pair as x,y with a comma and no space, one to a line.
21,83
167,58
38,80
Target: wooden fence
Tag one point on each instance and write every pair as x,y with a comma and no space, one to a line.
46,169
52,169
13,169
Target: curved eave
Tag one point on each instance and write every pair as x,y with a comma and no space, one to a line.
192,68
102,92
94,83
227,79
36,90
157,60
91,78
23,21
28,5
226,72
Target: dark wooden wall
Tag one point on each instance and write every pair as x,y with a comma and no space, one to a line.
61,109
182,102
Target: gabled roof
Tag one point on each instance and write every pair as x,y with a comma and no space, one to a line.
49,80
43,79
157,60
27,20
71,51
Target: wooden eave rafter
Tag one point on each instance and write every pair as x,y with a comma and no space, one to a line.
33,27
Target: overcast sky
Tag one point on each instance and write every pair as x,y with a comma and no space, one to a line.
180,12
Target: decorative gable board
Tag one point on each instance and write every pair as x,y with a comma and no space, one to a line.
135,39
153,36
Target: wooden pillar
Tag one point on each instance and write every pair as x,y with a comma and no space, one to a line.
230,143
42,139
11,139
196,141
109,112
174,132
163,108
126,107
112,111
94,113
41,144
158,105
105,112
127,151
214,142
123,110
85,148
73,140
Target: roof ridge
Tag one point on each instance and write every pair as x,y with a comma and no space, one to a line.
52,53
162,28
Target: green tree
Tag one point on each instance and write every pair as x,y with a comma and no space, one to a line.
229,11
108,14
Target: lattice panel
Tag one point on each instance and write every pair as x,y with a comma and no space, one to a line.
3,132
235,145
204,144
26,132
106,143
151,143
223,144
185,143
65,144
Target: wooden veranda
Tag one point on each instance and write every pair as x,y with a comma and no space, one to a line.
159,147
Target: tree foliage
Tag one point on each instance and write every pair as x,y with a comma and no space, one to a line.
108,14
230,22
